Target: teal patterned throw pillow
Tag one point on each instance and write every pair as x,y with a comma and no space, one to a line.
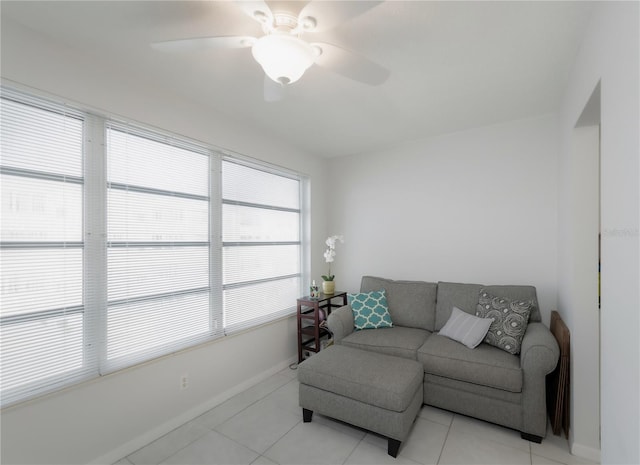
370,310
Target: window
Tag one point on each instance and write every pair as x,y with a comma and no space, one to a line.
119,244
157,247
45,328
261,244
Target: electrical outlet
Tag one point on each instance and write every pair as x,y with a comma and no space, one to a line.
184,381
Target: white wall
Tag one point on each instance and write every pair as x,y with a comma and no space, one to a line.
476,206
610,54
112,416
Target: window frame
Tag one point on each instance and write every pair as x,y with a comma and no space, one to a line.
126,129
94,183
88,367
303,256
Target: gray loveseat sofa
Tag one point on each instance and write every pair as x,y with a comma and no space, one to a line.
486,382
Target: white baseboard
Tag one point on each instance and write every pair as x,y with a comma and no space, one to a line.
168,426
585,452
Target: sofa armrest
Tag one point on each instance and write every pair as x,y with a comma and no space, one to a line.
539,351
539,355
340,323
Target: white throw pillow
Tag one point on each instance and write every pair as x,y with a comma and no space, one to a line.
465,328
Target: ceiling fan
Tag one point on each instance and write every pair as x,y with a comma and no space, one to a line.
282,52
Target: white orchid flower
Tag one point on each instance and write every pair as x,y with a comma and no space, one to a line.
331,241
330,253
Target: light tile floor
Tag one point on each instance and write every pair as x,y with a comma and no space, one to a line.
263,426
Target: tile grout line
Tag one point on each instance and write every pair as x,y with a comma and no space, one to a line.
243,409
248,447
164,459
179,450
276,441
353,450
446,438
531,452
214,428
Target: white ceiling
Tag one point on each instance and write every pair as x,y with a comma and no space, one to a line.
454,65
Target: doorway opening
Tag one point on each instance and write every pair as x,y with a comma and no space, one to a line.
586,269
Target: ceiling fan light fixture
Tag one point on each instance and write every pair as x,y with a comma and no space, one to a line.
284,58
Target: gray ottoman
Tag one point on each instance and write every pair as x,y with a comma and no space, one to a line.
377,392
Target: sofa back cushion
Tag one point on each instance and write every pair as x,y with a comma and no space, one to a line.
411,303
465,297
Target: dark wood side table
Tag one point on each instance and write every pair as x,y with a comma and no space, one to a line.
310,331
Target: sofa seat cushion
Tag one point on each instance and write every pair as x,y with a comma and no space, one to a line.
375,379
485,365
398,340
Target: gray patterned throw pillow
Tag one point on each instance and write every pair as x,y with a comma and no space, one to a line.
510,319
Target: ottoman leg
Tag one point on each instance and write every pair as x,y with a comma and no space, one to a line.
306,415
393,446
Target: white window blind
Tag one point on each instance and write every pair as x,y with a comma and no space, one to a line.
158,247
45,328
261,229
116,246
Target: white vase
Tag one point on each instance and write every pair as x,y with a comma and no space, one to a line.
328,287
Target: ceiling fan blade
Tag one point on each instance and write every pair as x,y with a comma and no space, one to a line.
351,65
258,10
204,43
273,91
329,15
